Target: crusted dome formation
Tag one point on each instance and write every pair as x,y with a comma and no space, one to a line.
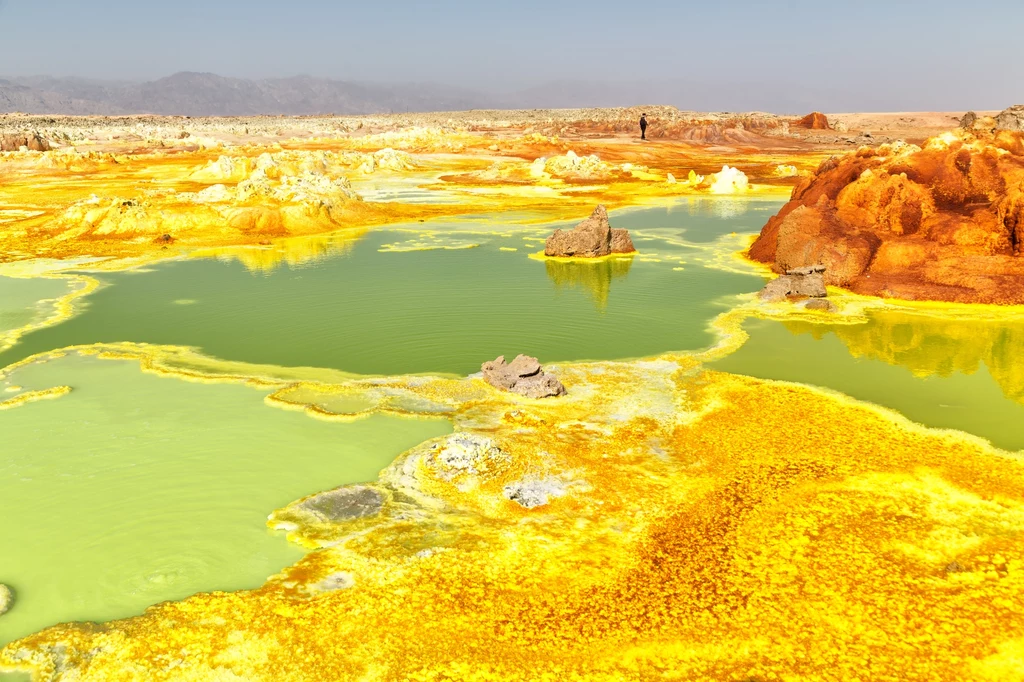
943,222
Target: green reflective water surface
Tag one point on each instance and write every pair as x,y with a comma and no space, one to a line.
944,373
385,312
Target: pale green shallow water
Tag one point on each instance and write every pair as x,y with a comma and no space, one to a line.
24,301
137,488
946,374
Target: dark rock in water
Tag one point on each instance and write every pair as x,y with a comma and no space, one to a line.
345,503
523,375
806,281
592,238
1011,118
621,241
6,599
776,290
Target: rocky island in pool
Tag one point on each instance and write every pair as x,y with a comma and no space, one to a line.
592,238
249,365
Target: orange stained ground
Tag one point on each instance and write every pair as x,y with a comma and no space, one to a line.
136,202
713,527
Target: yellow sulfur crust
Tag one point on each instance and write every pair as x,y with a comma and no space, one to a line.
708,526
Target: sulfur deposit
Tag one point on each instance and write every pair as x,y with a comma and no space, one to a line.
941,222
6,599
656,521
647,519
728,181
156,189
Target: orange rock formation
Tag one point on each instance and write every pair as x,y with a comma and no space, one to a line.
944,223
815,121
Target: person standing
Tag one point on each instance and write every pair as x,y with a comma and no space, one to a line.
643,126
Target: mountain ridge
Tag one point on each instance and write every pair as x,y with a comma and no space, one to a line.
191,93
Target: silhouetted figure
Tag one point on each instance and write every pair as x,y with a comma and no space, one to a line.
643,126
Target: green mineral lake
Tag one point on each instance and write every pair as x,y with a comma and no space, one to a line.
28,301
137,488
377,308
963,375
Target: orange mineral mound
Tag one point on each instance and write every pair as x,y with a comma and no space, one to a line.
815,121
944,222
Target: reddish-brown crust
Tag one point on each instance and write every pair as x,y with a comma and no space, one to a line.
941,223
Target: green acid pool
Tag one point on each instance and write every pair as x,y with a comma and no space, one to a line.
26,302
137,488
399,302
944,373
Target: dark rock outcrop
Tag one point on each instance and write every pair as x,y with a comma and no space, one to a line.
343,504
621,241
807,281
523,375
1011,118
592,238
968,120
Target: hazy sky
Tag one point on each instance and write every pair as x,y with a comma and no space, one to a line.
871,55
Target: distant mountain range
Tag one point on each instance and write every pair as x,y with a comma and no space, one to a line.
207,94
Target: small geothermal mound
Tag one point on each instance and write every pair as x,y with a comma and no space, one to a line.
523,375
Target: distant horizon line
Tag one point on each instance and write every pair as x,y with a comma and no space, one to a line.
701,96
